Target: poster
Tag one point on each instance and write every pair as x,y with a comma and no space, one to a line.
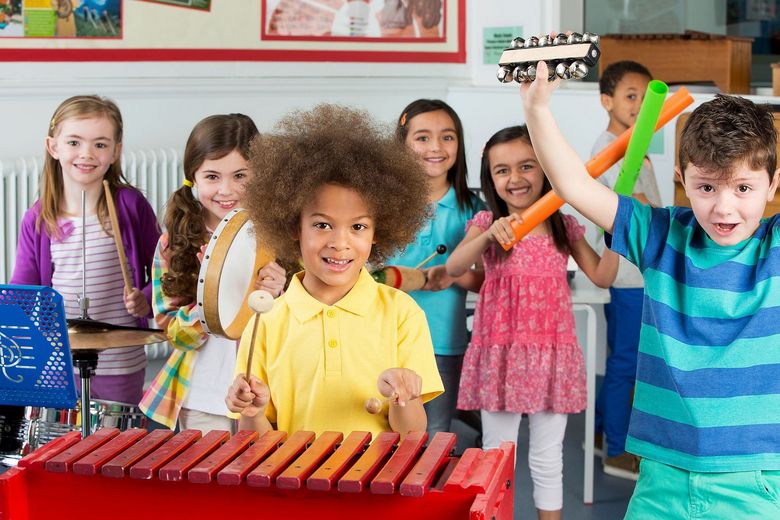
399,31
60,19
378,19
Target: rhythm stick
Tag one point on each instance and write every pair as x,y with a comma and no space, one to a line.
259,301
404,278
550,202
117,237
640,139
440,250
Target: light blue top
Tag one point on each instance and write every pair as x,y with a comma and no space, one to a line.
445,310
708,375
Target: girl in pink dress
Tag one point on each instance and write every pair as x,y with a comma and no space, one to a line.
523,356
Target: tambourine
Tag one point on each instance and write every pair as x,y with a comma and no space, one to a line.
567,57
227,276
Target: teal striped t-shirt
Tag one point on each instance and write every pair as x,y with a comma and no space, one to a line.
708,374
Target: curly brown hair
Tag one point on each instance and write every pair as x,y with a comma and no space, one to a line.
333,144
729,130
212,138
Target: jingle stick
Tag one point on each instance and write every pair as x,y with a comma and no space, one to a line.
440,250
117,237
259,301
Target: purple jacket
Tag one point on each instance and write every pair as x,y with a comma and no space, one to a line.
138,227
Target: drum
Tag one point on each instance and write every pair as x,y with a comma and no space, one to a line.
27,429
227,275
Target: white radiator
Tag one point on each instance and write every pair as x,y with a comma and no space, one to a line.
157,173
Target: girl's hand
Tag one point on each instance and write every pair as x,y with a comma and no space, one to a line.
437,278
136,304
501,230
248,398
271,278
399,385
200,254
537,93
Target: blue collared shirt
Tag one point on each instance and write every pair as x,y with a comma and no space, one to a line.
445,310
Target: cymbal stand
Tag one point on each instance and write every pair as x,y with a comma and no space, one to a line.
85,360
83,299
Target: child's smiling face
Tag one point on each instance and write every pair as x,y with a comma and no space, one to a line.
729,209
336,236
516,174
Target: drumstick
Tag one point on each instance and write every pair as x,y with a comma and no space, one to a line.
117,237
259,301
440,250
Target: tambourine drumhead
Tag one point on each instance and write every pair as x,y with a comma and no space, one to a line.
227,275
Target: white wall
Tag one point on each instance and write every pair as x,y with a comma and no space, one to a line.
162,101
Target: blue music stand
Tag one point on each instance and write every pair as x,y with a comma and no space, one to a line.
35,359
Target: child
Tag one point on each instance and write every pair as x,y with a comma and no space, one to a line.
83,147
333,189
523,356
704,419
191,386
433,130
622,85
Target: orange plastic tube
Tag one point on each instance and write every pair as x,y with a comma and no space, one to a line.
540,210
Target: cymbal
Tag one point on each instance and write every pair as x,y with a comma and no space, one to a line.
96,335
114,339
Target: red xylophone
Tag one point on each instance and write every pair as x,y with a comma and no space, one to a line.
216,476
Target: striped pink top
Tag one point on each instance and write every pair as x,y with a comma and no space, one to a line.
105,288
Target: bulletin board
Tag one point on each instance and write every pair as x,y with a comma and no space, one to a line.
233,30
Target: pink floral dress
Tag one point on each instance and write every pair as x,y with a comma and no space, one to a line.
523,356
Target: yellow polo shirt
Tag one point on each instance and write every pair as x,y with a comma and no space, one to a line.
321,362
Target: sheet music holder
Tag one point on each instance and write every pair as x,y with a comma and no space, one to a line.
35,359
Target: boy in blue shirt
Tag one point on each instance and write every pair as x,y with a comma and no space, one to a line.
705,415
622,86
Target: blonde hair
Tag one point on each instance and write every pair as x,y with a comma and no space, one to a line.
77,107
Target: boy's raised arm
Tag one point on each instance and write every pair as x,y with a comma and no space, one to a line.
566,171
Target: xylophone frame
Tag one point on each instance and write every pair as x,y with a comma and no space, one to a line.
214,476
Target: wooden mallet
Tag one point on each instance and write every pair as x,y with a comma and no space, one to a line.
440,250
259,301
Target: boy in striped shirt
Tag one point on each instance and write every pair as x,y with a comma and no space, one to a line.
705,418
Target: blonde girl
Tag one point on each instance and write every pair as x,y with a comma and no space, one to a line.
83,147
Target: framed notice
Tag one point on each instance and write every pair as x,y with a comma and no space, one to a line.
73,19
233,30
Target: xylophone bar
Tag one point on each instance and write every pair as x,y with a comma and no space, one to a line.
199,475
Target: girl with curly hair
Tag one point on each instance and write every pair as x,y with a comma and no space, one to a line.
333,188
190,387
433,130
